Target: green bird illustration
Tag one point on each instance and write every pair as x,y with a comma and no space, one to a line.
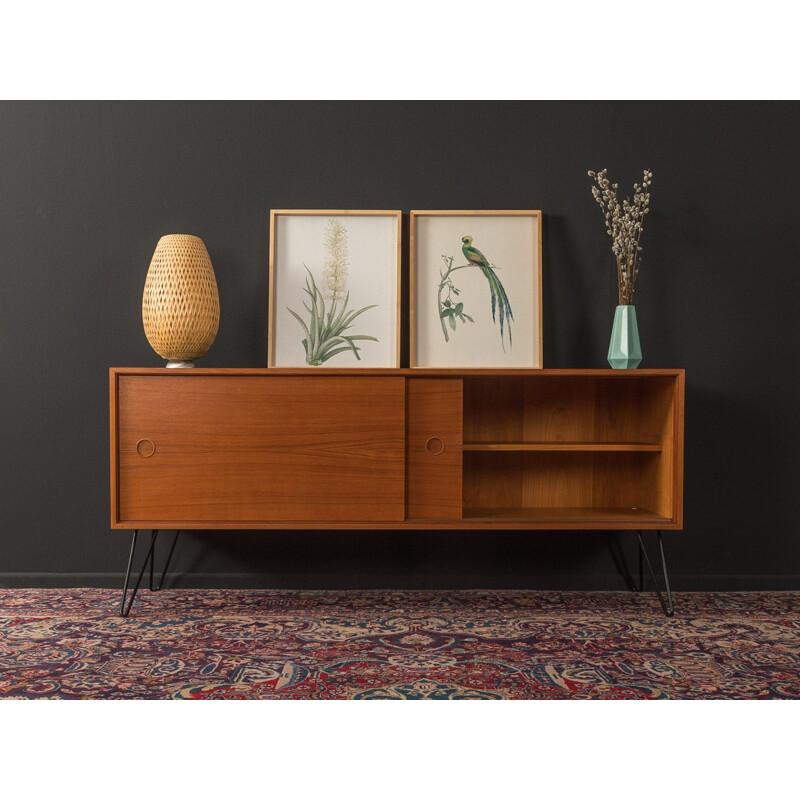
500,306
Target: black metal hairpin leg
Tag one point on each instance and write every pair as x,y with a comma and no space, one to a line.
667,605
125,608
166,565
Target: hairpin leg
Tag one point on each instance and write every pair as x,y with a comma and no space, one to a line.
667,605
122,611
166,565
125,607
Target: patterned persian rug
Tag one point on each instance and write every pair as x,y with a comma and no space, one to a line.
397,645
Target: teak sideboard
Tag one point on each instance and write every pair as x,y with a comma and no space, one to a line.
397,449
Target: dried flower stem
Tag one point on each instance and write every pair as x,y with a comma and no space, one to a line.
337,261
624,225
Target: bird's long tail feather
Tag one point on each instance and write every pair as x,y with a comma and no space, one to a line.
501,307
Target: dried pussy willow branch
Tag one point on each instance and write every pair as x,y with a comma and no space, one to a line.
624,225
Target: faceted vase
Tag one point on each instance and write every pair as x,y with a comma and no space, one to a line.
624,350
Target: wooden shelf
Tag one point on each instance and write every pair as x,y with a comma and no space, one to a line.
553,447
561,515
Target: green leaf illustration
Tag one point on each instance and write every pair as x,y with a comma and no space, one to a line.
324,330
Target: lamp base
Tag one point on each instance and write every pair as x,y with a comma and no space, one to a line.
180,364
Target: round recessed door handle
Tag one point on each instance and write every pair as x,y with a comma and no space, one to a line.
145,447
435,446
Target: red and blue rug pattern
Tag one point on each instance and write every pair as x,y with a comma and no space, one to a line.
397,645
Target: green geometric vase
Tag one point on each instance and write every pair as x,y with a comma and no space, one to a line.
624,350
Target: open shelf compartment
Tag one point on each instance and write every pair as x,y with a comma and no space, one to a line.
569,449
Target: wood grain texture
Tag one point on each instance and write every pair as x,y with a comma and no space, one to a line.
412,316
256,449
670,475
585,516
624,480
421,372
271,289
494,409
576,447
573,439
536,520
633,410
558,480
559,410
113,416
433,478
615,459
493,480
398,311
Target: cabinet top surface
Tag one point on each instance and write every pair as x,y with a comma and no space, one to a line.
392,372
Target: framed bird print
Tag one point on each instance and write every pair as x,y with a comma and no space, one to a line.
334,289
476,289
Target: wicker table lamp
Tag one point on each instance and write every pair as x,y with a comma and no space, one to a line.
180,304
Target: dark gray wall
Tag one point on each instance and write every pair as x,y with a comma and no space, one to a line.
88,188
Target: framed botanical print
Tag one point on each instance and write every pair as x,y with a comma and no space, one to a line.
334,289
476,289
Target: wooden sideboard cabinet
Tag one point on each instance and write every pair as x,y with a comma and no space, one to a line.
396,448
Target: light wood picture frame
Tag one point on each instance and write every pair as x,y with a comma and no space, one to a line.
475,289
334,288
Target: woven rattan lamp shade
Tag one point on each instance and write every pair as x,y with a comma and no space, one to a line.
180,304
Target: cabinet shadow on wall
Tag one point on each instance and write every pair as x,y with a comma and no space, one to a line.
396,560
